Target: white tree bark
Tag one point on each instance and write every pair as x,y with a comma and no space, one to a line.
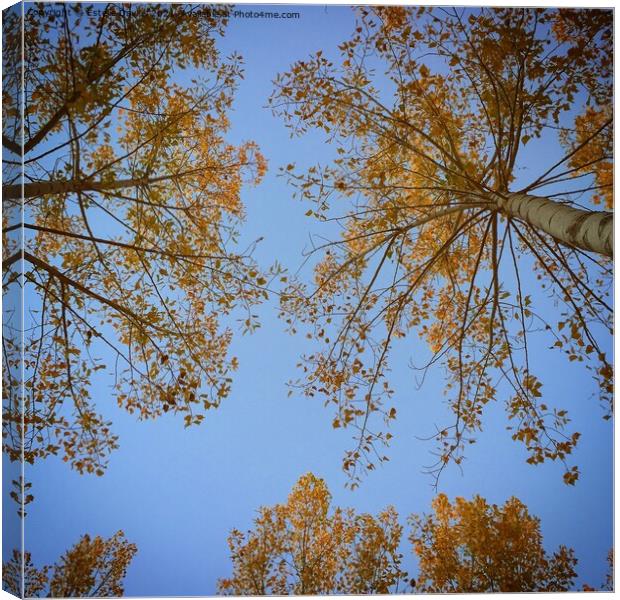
587,230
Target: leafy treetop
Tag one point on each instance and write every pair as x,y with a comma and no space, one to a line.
94,567
441,241
132,203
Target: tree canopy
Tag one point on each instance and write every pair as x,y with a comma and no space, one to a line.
441,228
306,547
94,567
131,213
471,546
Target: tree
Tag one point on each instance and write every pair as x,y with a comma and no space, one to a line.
471,546
92,568
303,547
132,205
442,232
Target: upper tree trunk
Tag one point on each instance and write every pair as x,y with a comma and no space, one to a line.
40,188
587,230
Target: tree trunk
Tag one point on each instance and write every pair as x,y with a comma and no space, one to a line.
588,230
40,188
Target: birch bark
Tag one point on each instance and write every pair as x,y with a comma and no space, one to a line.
587,230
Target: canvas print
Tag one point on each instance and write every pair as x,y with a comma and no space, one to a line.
306,299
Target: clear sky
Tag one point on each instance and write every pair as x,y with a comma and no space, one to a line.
177,493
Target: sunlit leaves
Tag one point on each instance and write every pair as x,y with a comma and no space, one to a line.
92,567
307,547
472,546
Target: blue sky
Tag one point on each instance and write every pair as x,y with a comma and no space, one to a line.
177,493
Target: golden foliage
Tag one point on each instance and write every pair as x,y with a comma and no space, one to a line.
595,152
93,567
132,209
305,547
471,546
428,250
